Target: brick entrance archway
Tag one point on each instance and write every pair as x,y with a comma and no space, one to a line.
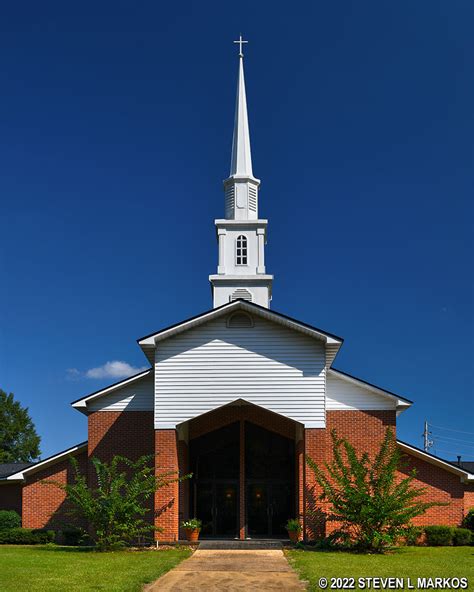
283,495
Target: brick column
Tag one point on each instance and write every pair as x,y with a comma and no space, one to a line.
167,498
300,481
316,447
242,515
183,458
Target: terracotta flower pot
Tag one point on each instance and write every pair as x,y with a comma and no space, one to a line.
294,536
192,534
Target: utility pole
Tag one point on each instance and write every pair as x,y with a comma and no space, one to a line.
427,443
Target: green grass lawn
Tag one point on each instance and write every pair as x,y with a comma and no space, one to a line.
49,568
413,562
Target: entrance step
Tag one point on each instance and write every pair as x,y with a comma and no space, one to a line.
251,545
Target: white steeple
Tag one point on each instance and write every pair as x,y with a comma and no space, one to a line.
241,234
241,188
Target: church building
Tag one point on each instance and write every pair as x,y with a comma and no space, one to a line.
238,396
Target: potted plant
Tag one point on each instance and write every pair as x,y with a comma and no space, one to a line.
294,529
192,528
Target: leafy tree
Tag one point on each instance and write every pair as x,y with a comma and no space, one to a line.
367,497
19,441
115,509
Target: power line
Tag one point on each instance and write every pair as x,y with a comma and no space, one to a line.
453,439
451,429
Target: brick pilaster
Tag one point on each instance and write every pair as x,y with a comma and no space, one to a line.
167,498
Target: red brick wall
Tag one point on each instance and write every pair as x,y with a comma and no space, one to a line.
364,430
44,506
10,496
129,433
441,486
468,498
167,498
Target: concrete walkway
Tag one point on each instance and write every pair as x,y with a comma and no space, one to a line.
219,570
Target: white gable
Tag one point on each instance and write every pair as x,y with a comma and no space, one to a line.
212,365
344,394
136,395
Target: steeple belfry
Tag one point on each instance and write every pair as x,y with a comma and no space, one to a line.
241,234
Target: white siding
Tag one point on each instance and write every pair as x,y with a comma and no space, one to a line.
342,394
136,396
212,365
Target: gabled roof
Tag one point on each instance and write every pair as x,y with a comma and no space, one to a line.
431,458
72,451
149,342
81,403
402,402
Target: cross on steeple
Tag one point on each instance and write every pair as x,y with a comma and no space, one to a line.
240,42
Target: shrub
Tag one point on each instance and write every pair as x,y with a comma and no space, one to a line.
26,536
293,525
9,519
412,535
438,536
116,507
72,536
371,505
462,536
468,521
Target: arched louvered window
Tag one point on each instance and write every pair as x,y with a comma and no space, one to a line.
241,250
241,294
240,320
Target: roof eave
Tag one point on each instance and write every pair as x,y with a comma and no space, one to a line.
401,402
81,404
20,475
465,476
149,341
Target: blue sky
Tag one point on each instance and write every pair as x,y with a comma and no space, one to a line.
115,135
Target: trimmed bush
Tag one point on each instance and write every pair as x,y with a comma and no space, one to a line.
468,521
439,536
72,535
462,536
9,519
26,536
412,535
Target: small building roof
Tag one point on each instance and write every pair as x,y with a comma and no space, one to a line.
465,474
7,469
19,475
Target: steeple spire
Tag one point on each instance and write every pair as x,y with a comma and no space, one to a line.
241,163
241,188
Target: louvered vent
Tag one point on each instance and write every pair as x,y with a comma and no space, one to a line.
240,320
241,293
252,198
229,200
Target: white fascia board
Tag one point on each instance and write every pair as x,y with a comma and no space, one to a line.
151,340
20,476
81,404
400,402
465,475
222,222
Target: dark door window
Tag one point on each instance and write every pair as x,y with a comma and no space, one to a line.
215,482
269,472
